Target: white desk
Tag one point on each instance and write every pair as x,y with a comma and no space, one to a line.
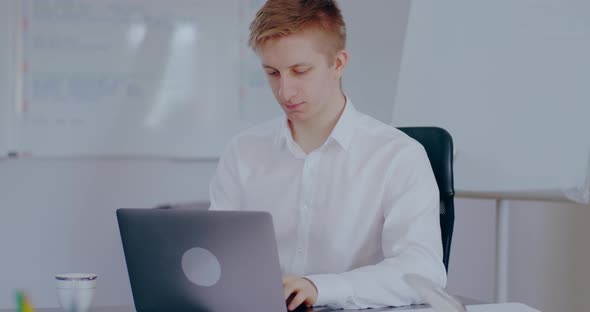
498,307
495,307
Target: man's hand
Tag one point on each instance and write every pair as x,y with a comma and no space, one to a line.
300,290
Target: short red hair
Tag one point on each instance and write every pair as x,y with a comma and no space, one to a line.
278,18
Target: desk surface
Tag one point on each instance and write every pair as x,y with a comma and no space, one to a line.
130,309
498,307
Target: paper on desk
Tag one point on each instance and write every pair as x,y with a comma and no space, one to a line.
504,307
498,307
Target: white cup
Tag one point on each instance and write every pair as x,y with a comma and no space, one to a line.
75,291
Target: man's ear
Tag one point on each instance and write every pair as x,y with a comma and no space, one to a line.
340,64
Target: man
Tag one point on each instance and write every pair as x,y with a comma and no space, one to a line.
354,201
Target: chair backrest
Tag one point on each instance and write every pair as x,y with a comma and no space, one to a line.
438,144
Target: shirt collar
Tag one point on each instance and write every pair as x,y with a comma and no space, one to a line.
283,132
342,133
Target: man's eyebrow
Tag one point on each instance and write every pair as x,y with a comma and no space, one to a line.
292,66
301,65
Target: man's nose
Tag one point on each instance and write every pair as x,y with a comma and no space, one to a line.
287,88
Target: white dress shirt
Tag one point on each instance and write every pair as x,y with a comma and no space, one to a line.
353,216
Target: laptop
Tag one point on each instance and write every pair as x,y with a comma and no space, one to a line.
190,260
184,259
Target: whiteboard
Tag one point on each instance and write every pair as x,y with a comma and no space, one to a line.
131,77
7,73
510,80
172,79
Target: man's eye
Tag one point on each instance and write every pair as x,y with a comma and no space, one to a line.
301,72
273,73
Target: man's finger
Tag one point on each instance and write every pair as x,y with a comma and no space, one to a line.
297,301
289,288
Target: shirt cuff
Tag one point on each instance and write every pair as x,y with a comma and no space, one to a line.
333,289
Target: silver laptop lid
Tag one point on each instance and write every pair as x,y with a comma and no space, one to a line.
188,260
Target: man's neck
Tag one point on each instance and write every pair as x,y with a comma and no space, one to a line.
312,133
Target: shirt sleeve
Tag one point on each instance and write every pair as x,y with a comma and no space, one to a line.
411,242
225,190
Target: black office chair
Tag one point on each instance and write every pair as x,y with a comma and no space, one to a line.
438,144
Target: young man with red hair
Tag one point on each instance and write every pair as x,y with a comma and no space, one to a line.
354,201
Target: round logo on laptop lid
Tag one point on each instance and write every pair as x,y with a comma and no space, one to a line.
201,267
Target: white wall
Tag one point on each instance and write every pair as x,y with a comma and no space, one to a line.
550,255
59,216
471,265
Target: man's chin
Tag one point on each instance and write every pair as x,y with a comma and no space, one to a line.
297,117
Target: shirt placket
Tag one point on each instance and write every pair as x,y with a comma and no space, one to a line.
308,185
